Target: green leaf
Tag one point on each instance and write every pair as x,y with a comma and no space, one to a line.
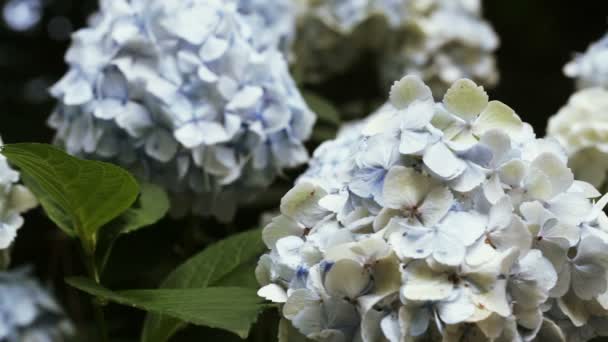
80,196
152,206
229,308
324,109
215,265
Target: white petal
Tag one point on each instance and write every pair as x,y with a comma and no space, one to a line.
386,119
347,279
512,172
245,98
301,203
417,116
289,249
464,226
413,142
206,75
443,162
78,93
493,190
391,328
558,173
496,300
500,213
436,205
135,119
280,227
416,242
472,177
204,132
448,250
574,308
273,293
598,208
570,208
22,199
161,146
516,234
587,189
497,116
500,145
538,185
407,90
465,99
588,280
421,283
404,187
457,309
213,48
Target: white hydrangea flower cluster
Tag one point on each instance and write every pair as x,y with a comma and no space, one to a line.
449,221
581,126
590,69
185,95
15,199
28,313
439,40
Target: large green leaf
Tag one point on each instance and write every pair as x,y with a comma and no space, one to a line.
79,195
151,206
217,264
229,308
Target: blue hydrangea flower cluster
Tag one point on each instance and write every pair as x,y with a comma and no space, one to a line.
444,221
438,40
186,94
15,199
28,313
274,22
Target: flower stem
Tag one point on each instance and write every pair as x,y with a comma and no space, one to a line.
93,270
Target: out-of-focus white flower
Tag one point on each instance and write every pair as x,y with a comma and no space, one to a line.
15,199
581,127
28,312
22,15
444,221
186,94
438,40
590,69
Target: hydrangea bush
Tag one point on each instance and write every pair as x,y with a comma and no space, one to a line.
15,199
187,94
439,40
28,312
446,221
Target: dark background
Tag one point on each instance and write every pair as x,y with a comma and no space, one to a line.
537,39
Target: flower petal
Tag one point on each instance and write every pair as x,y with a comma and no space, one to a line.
465,99
407,90
497,116
421,283
404,187
443,162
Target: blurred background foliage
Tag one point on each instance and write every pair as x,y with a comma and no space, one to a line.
537,39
